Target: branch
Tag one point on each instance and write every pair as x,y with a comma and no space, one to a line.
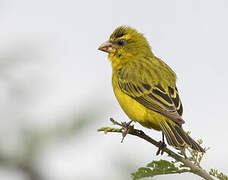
139,133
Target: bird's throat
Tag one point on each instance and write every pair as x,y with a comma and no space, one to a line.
116,61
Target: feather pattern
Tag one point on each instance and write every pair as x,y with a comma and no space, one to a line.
139,82
145,86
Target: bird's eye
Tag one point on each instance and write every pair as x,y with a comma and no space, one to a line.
121,42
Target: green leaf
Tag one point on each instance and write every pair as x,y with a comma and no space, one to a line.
218,175
157,168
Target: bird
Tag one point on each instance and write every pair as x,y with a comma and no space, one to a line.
145,87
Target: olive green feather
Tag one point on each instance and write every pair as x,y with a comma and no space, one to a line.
143,81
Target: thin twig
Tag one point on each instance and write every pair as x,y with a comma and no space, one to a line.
139,133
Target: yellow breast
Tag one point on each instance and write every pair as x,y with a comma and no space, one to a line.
134,110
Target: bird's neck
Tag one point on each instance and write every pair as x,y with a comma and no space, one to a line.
117,61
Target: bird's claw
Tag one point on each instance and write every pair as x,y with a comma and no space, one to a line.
126,126
161,147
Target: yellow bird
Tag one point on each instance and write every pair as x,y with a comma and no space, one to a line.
145,86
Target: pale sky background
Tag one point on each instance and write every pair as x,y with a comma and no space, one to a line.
65,72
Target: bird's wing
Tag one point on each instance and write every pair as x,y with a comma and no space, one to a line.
155,96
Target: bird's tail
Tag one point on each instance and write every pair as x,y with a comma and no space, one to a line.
177,137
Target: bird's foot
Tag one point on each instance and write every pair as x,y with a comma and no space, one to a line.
126,126
161,147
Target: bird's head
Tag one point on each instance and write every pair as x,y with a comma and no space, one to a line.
125,43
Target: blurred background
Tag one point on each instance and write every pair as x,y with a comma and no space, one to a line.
55,86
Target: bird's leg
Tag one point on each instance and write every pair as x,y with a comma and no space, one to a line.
126,126
162,145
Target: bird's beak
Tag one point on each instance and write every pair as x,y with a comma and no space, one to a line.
107,47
